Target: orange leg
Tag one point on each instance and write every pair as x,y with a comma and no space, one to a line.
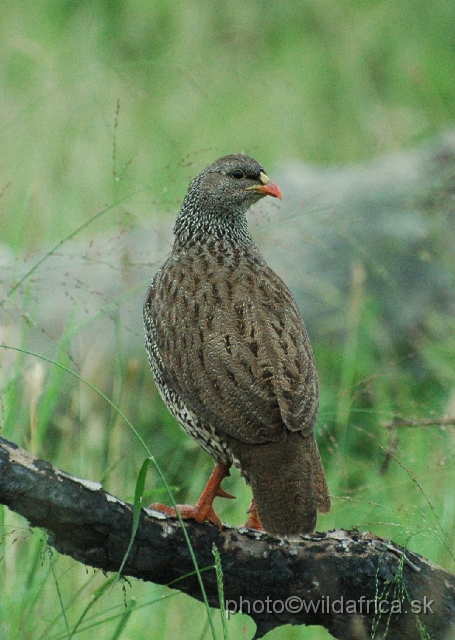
203,509
253,521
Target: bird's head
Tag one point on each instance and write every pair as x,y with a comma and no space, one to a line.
219,196
236,181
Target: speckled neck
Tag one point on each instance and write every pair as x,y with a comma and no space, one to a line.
203,217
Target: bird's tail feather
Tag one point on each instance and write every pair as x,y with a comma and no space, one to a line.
288,483
321,490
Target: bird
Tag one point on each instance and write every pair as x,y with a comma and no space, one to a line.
231,356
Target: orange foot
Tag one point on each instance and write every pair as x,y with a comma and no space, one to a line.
203,509
253,521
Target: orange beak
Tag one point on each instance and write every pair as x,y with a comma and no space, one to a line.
269,189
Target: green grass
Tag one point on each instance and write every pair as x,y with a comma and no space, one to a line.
112,108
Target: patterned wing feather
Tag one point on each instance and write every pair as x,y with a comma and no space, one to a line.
234,348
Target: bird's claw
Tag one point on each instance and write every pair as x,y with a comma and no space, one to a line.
188,512
253,521
221,493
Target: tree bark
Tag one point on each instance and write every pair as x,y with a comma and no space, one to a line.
353,583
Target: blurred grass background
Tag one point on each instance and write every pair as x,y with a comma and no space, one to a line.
117,106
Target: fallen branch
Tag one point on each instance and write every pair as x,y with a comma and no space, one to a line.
354,584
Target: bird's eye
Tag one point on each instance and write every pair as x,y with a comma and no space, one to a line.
238,174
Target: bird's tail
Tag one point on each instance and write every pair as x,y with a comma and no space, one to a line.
288,482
